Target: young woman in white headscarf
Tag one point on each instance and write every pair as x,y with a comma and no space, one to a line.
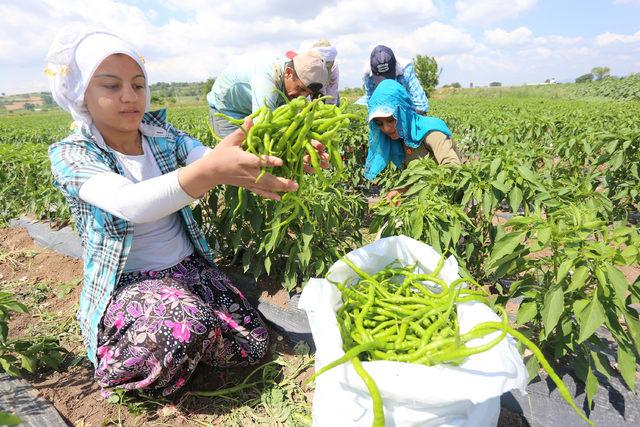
153,304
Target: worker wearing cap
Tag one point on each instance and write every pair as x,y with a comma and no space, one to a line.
328,53
384,65
251,81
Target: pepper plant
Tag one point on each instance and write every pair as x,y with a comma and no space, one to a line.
621,162
24,353
293,245
566,266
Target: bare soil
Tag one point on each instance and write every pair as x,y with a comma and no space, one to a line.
28,269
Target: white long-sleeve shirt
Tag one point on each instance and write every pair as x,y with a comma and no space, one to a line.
150,200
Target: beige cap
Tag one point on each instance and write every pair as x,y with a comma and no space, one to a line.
311,69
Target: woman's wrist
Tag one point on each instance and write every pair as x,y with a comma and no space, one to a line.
197,178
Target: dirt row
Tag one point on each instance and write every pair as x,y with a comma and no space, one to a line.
49,284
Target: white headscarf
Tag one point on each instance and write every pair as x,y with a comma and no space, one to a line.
328,53
323,47
74,55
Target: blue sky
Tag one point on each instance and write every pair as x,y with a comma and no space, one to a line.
568,17
480,41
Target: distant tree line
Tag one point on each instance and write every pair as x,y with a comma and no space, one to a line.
597,73
167,93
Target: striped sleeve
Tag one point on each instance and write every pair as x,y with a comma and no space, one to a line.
415,89
73,163
185,144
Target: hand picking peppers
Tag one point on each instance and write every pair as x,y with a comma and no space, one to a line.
286,132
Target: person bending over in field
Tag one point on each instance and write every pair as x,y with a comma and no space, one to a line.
398,134
383,65
251,81
153,304
328,53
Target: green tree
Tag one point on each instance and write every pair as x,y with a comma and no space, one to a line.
456,85
427,72
495,84
584,78
47,99
206,87
600,72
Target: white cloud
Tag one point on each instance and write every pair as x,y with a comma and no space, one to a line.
560,40
486,12
191,40
500,37
197,37
610,38
438,38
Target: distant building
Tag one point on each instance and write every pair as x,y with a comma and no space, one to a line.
550,81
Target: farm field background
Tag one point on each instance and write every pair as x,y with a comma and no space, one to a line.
544,211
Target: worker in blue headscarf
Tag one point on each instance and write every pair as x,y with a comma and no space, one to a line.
398,134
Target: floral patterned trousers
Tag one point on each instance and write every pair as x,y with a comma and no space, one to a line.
160,324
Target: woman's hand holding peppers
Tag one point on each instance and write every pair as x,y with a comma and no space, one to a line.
229,164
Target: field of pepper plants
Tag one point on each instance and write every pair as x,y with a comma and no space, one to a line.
543,211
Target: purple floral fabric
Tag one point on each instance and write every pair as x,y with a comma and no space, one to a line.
160,324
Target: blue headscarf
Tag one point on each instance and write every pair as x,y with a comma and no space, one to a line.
391,97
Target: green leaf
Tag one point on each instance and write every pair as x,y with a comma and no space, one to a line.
601,363
4,330
456,229
515,199
28,363
544,235
307,233
304,256
8,366
521,220
552,309
627,366
533,367
267,265
15,306
434,236
501,186
581,367
487,202
256,220
272,240
527,174
9,419
633,324
590,318
591,386
563,270
417,223
246,260
578,278
619,282
526,312
506,245
495,164
630,253
512,264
